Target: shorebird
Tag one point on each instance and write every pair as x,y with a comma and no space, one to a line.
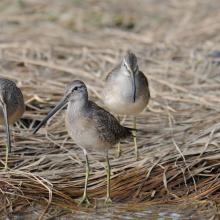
126,92
12,108
90,126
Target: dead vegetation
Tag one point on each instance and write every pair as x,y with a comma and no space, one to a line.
46,44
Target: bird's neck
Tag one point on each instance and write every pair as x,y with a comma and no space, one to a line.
125,82
77,106
123,73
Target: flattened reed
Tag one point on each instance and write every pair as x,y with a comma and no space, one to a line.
47,45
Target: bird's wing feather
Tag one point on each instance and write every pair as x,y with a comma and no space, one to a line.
144,82
108,126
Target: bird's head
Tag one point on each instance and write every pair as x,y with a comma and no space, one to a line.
130,68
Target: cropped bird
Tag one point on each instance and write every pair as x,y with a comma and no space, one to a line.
126,92
12,108
90,126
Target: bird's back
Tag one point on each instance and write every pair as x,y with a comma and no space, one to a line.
107,125
13,98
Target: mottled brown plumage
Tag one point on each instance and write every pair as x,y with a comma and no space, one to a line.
12,107
90,126
126,91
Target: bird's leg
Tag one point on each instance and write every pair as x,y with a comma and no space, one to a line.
85,198
135,139
6,159
8,143
108,171
119,144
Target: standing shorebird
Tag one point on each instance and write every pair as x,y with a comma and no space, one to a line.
12,108
126,92
90,126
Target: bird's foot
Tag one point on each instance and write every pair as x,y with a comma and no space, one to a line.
5,169
84,199
119,153
108,200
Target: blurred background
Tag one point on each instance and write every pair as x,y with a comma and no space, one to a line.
173,41
46,44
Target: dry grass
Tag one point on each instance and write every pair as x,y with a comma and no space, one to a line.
45,45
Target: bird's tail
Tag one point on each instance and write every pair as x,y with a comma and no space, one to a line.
130,131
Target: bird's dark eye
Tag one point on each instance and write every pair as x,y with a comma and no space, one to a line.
75,88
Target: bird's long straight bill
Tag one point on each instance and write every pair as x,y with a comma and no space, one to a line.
5,112
63,101
133,86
